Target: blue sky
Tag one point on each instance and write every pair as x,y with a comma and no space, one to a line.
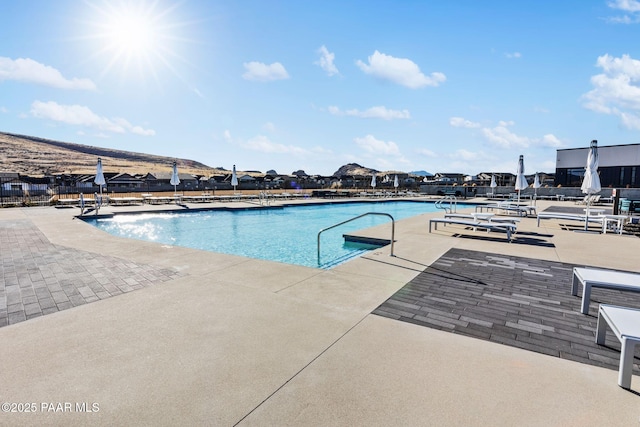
443,86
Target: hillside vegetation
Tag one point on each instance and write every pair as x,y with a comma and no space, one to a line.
29,155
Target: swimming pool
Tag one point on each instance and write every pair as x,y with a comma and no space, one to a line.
286,234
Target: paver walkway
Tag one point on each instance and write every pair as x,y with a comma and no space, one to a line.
516,301
38,277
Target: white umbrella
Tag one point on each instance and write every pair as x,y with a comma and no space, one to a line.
591,183
521,181
175,179
536,185
373,181
234,179
99,179
493,185
396,183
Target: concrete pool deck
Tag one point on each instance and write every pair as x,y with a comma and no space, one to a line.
225,340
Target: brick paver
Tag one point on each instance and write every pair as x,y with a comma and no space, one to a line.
521,302
39,278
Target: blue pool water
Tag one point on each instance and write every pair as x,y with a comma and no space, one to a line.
287,235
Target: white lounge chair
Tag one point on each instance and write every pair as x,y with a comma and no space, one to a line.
560,215
598,278
625,324
483,217
490,226
509,207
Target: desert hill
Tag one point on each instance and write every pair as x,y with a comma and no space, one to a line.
29,155
35,156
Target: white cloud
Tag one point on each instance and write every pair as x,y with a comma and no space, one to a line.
399,70
630,6
550,140
459,122
375,146
616,90
513,55
3,110
326,61
265,145
379,112
426,152
82,116
502,137
258,71
465,155
631,121
626,5
29,71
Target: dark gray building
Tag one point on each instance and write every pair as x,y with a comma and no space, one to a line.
618,166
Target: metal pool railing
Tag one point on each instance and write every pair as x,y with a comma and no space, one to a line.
393,224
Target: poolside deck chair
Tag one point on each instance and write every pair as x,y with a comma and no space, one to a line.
513,208
599,278
489,226
625,324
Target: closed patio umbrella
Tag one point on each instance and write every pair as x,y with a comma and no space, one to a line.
234,179
396,183
521,181
175,179
493,185
100,181
591,183
373,181
536,185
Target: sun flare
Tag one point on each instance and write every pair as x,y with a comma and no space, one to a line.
137,34
132,33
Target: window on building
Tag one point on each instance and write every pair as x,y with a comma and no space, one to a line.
574,177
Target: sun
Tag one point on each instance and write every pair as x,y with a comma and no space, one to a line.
131,33
135,35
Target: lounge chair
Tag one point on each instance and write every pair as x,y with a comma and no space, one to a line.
489,226
560,215
480,217
604,220
625,324
599,278
509,207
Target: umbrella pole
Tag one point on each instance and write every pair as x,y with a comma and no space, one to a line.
586,220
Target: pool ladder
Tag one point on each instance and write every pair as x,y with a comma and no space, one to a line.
393,227
264,199
453,204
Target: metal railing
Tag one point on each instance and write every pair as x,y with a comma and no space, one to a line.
393,225
453,204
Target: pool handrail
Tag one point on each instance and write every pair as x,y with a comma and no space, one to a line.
453,204
393,226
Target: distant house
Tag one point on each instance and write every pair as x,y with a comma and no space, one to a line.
23,185
163,179
503,179
124,180
246,179
449,178
88,181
